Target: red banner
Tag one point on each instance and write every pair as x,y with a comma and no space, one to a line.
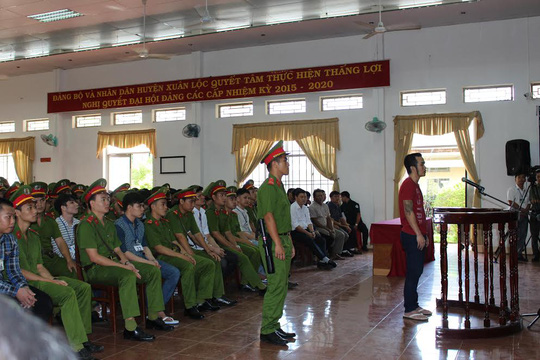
283,82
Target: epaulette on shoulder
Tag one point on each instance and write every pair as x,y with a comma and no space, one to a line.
50,214
175,212
271,181
18,234
89,219
34,231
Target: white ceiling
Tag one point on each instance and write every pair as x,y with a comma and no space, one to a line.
28,46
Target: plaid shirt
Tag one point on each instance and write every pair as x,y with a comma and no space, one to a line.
11,277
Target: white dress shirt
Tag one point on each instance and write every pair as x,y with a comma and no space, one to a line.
243,219
299,216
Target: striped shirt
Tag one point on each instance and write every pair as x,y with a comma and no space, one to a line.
67,234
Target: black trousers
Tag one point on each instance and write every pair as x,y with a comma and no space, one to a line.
42,307
229,263
317,245
363,230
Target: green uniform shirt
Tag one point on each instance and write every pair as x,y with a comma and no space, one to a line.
29,249
217,220
252,214
234,224
158,232
272,198
92,234
48,231
182,223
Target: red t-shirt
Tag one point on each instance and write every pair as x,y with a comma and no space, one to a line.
410,190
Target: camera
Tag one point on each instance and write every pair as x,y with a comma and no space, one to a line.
532,174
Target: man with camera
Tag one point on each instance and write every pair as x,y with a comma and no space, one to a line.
535,216
518,199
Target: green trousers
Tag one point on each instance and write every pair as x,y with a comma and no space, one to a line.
74,302
196,280
274,299
249,274
252,252
127,281
57,266
218,289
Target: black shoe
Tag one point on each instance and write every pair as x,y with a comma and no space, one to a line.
248,287
158,324
536,259
284,334
96,318
138,335
206,306
355,252
224,301
262,292
332,263
93,348
292,285
193,313
324,265
521,258
273,338
364,248
346,253
84,354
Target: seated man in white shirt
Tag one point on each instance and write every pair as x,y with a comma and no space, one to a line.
303,232
229,261
243,200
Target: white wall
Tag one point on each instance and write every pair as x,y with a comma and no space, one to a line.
504,52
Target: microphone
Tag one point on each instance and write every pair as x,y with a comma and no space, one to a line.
478,186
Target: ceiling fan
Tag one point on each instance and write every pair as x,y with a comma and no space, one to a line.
143,53
206,20
380,28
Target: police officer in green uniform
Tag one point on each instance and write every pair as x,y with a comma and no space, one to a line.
48,231
115,209
218,224
273,206
196,279
189,236
72,296
252,209
104,263
251,251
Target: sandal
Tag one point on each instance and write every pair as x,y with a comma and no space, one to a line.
170,321
422,311
415,316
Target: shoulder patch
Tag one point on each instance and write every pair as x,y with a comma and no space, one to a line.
149,221
89,219
18,234
271,181
175,212
357,206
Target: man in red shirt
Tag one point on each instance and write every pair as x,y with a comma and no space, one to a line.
413,234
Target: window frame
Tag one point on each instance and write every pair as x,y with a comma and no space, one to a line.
7,122
29,121
423,91
533,85
114,114
322,98
76,117
155,111
268,102
243,103
484,87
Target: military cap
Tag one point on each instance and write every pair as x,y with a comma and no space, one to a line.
22,195
119,197
39,189
250,184
215,187
78,189
16,185
274,152
231,191
158,194
123,187
61,185
4,182
97,187
185,193
50,190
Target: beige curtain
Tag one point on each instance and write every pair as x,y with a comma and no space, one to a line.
436,124
318,138
322,156
23,152
249,156
127,140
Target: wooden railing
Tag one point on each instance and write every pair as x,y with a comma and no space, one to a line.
505,306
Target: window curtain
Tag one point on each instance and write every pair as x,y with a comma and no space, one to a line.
127,140
436,124
319,139
23,151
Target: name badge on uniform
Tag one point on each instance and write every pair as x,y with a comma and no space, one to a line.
138,247
2,265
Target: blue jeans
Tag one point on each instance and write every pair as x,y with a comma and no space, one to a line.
170,275
415,267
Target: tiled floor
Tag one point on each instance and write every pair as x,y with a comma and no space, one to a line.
345,313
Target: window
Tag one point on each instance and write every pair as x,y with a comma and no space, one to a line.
424,97
134,166
7,168
302,173
286,107
488,93
37,125
175,114
8,126
329,103
126,118
87,120
238,109
535,90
